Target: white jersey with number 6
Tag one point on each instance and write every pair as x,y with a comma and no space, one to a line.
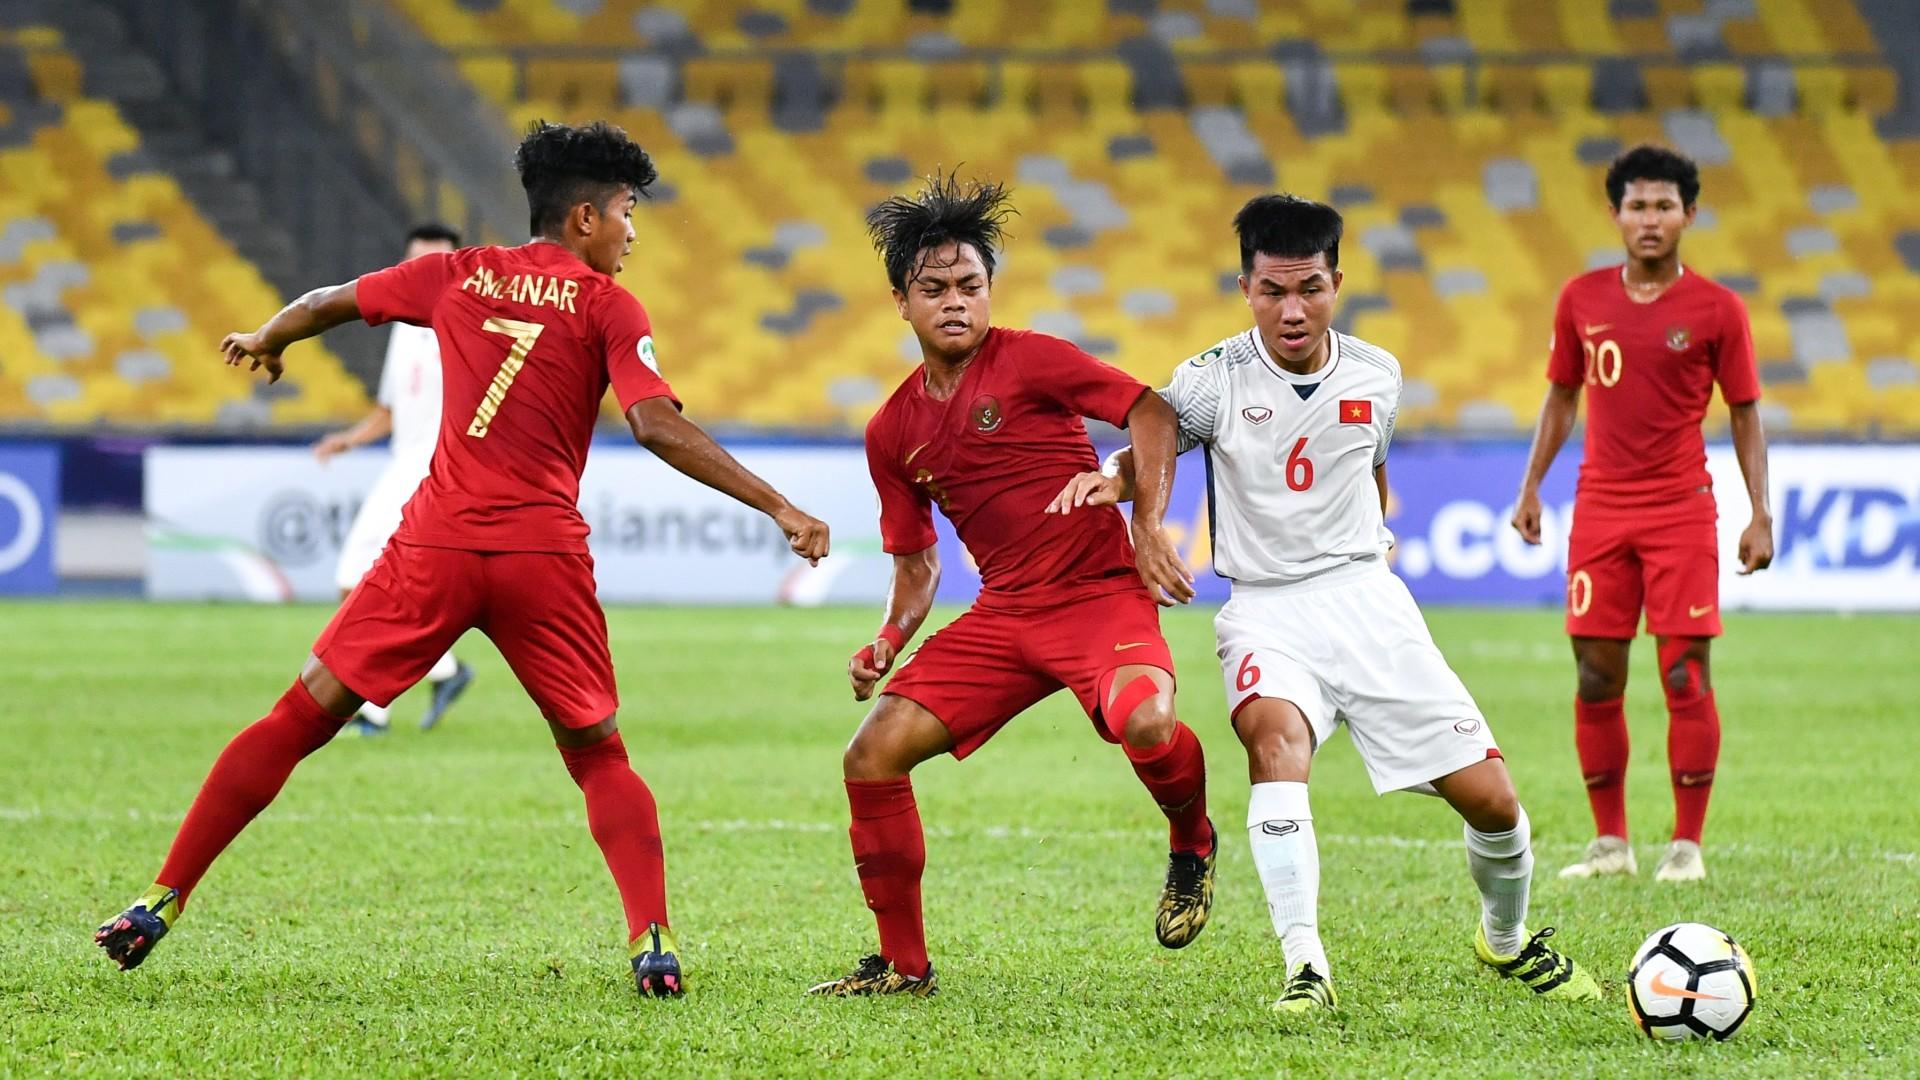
1316,618
1290,487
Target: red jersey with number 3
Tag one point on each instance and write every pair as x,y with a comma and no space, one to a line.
530,339
994,455
1649,371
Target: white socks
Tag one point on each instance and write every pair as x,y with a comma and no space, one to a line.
1502,866
1280,831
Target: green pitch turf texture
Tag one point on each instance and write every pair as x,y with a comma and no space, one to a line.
432,904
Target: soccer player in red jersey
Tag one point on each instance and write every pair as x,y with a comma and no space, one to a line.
988,429
1648,340
530,339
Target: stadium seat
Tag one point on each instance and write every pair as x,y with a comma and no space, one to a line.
113,287
1471,187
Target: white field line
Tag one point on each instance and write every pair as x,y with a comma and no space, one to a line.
778,825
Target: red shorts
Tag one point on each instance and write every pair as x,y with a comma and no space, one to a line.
987,666
1665,558
539,609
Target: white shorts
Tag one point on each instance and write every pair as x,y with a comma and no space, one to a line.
375,523
1351,646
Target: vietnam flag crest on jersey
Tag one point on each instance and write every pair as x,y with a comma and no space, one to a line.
1356,412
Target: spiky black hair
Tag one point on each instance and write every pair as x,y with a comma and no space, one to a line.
945,211
1288,227
562,166
1655,163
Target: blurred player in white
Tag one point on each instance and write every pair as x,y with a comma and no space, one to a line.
407,407
1295,420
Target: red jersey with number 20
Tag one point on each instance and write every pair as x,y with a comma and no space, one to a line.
1649,371
994,455
530,339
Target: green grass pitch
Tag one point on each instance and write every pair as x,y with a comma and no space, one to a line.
433,905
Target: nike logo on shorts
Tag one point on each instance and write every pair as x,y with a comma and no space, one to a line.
1125,645
1696,612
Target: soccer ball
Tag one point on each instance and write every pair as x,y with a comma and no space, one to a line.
1690,981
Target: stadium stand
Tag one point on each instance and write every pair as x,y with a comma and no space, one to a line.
1468,166
114,288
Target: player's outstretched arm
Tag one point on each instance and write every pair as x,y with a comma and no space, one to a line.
678,441
377,424
1750,448
1549,435
1153,428
916,577
309,316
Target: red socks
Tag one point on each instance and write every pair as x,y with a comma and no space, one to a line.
889,854
245,778
625,823
1175,772
1693,741
1600,734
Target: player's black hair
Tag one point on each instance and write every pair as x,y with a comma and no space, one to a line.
945,211
1655,163
562,166
434,231
1288,227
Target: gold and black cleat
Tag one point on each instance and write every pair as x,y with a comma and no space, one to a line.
656,963
129,936
876,975
1187,899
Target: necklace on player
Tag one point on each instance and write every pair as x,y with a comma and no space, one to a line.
1648,289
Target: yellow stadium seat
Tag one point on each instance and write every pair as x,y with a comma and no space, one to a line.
728,82
1261,86
574,84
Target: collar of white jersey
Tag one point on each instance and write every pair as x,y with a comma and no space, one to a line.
1333,357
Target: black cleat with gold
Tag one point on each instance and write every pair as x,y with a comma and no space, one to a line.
876,975
1187,899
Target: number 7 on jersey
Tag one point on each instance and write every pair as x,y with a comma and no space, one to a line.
524,334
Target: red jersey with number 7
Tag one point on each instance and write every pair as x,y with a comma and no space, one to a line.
530,339
1648,371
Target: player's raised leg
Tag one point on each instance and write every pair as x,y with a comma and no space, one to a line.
244,779
1138,701
1500,858
1600,737
889,846
1280,744
1693,751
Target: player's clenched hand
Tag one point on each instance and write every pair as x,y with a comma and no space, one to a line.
1526,517
1086,489
1756,546
237,348
806,534
1166,576
867,665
